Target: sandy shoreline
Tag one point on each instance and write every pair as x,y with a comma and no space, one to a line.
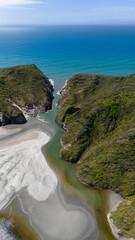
25,173
114,201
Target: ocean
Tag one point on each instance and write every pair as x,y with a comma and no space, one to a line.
61,51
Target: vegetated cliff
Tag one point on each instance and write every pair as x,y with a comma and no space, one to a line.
23,90
97,113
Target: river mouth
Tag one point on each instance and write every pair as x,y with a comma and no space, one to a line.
52,213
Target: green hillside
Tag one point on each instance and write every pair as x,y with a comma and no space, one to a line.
98,115
25,86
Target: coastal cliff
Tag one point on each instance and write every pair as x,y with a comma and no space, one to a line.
97,114
24,91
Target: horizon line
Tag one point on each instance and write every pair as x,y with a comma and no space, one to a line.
68,24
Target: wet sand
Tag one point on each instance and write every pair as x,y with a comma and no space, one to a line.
28,183
4,131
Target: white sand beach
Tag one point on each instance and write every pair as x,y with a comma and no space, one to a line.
22,164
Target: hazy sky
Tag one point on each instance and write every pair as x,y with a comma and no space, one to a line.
66,11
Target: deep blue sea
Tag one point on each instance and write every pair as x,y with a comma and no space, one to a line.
61,51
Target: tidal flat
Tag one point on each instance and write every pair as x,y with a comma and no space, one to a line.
30,187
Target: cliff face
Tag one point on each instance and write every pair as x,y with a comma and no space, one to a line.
24,90
98,115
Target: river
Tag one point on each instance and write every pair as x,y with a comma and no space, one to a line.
62,208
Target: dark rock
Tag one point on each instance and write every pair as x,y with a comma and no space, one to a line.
20,119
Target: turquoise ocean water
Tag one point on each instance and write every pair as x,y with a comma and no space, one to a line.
61,51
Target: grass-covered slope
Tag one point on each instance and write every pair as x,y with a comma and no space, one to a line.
25,86
98,115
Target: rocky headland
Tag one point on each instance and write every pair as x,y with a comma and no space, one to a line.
24,91
97,114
